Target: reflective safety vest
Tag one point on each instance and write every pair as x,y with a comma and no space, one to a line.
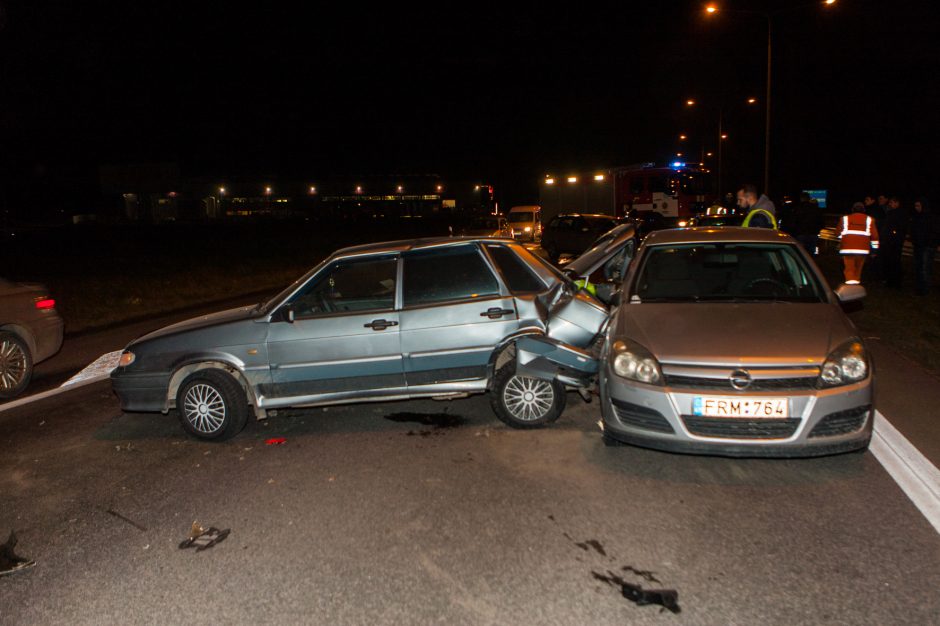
858,234
585,284
770,216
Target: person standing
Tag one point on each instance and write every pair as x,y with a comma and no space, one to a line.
893,235
806,222
925,236
759,212
858,236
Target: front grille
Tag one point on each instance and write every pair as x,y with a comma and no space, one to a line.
641,417
841,422
735,428
724,384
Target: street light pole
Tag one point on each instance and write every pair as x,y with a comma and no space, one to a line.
767,110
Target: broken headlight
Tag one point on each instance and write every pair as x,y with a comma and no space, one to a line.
634,362
845,365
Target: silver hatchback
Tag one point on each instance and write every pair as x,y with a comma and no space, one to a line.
30,332
422,318
727,341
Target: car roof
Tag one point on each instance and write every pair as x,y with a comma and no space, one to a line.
403,245
711,234
592,216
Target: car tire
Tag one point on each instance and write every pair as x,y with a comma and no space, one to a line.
523,402
212,405
16,365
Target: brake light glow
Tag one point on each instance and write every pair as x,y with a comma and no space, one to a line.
45,303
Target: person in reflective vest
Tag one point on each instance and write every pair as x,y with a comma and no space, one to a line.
760,218
858,237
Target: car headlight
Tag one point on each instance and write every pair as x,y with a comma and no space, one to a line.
126,358
845,365
634,362
527,229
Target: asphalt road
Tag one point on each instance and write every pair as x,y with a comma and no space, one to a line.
359,518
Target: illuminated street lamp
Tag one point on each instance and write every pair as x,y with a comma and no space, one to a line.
440,188
313,190
549,180
690,103
358,188
399,188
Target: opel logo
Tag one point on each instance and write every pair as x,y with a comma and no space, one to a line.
740,379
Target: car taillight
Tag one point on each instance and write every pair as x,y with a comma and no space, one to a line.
45,303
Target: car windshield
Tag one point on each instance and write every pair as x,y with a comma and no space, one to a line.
517,217
725,272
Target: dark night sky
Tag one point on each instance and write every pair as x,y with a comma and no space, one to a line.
292,90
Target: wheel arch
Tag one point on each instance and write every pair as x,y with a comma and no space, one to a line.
183,371
503,346
23,333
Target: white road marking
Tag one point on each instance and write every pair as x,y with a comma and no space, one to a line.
915,475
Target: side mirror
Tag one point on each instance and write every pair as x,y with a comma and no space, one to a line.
850,297
850,293
288,314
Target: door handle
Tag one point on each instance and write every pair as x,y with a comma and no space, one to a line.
380,324
495,313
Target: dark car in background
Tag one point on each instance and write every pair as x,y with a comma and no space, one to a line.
30,332
487,226
573,233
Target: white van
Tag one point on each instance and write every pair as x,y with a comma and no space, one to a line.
526,222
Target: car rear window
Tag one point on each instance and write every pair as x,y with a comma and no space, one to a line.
447,273
731,272
519,277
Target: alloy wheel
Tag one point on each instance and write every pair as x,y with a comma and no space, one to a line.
528,399
204,408
13,365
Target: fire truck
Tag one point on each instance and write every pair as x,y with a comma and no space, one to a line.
676,191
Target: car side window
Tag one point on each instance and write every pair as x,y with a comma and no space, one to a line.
447,273
350,286
519,277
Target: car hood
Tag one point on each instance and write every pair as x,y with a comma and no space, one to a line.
735,334
603,249
203,321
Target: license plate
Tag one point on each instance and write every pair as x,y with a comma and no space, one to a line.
717,406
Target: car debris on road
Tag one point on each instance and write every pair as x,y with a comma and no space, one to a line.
9,561
204,538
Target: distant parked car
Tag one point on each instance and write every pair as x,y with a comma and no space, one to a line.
421,318
572,233
30,332
487,226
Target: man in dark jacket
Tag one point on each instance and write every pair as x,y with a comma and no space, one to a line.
805,222
892,242
925,236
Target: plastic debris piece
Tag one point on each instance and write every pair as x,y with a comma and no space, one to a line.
276,441
204,538
10,563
